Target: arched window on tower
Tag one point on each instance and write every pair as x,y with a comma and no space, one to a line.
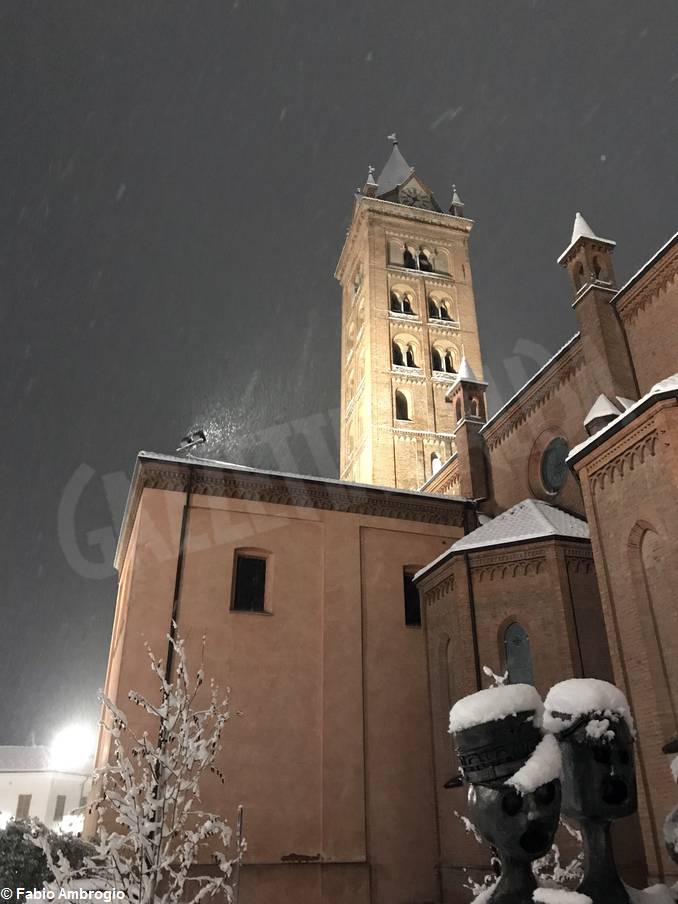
433,309
436,463
475,407
409,259
449,363
518,655
396,303
436,360
457,410
409,355
579,276
407,304
597,269
425,261
398,355
402,407
445,310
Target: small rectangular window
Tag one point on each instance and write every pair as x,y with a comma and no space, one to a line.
250,583
412,606
60,807
23,807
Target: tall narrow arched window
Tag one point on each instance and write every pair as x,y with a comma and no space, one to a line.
425,261
407,304
436,360
449,363
396,303
596,267
433,310
408,259
457,410
579,276
436,463
475,407
444,311
410,356
401,406
398,355
518,655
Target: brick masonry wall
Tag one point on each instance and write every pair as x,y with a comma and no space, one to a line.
630,488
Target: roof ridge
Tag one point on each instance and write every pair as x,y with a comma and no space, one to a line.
538,508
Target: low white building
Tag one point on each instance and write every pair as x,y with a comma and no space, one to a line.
31,787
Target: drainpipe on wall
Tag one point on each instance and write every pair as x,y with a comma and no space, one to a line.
474,624
178,575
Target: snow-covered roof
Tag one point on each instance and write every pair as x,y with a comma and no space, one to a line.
582,230
530,519
30,759
642,270
466,374
602,407
664,389
285,475
394,173
493,704
24,759
533,379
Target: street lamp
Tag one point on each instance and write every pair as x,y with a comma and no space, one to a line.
72,749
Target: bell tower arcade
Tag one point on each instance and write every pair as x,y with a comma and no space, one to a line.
408,320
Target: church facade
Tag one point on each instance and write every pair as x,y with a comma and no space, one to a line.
348,615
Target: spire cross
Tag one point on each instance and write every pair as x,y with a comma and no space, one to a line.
393,137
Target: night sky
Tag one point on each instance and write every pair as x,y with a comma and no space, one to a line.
176,180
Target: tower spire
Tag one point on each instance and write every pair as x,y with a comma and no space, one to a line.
456,204
370,187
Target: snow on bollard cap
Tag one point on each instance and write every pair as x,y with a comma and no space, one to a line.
559,896
496,731
570,703
593,724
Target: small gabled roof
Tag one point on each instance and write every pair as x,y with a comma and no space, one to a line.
394,173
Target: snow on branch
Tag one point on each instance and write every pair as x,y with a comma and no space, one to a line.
153,836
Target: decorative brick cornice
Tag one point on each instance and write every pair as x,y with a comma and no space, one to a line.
447,480
414,433
399,377
631,450
579,564
519,562
534,396
392,216
440,590
648,288
444,327
202,478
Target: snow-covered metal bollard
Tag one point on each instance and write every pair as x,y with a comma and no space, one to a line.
593,724
512,770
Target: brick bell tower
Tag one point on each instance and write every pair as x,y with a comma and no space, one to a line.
408,320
